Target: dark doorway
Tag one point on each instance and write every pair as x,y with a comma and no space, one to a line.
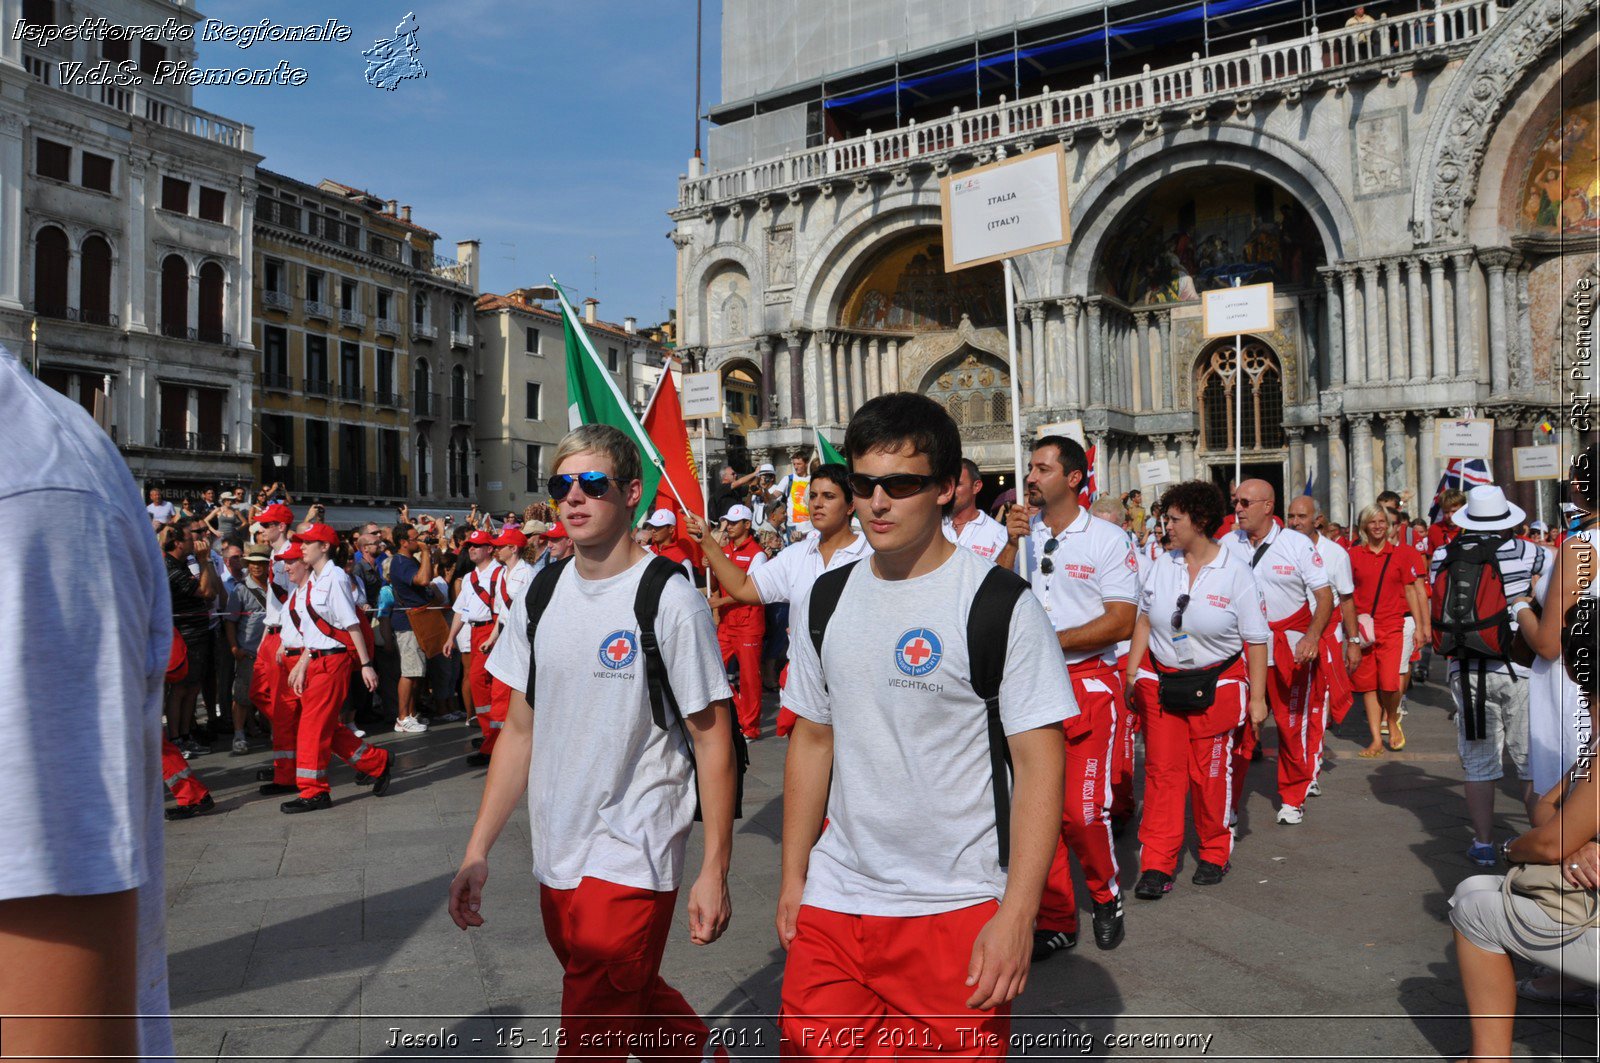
996,482
1270,471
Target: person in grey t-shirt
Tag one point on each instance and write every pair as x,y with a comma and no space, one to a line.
245,626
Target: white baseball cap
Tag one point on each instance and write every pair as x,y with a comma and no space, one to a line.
1539,526
738,513
766,469
662,518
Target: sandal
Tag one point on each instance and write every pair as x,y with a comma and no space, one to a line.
1575,995
1369,754
1395,732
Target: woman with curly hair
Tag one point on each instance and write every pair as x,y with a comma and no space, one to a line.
1203,627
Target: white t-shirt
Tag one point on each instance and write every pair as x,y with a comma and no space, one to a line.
797,508
984,536
1336,564
83,815
1093,563
161,512
1223,613
789,576
514,584
911,809
1288,573
331,596
610,795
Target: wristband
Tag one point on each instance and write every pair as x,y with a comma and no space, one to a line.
1505,853
1517,609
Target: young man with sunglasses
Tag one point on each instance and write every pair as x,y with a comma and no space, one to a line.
1086,575
1288,573
611,796
902,925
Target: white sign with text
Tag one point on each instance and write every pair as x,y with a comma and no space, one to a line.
701,395
1072,429
1005,209
1537,463
1155,473
1468,438
1232,311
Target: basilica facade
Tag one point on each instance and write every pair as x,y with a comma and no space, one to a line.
1420,187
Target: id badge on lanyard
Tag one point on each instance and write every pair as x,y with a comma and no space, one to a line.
1183,647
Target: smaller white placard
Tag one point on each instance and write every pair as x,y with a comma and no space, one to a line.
1232,311
1072,429
496,485
1469,438
1155,473
701,395
1537,463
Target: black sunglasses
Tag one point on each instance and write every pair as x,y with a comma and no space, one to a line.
1177,617
1046,565
594,484
895,485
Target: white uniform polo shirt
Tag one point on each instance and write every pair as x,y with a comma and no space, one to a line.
1093,564
330,595
984,536
278,572
468,606
514,584
789,576
1336,564
1224,610
1289,571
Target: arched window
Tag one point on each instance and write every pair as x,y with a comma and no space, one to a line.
421,384
94,283
458,382
973,389
419,309
1262,427
424,468
213,283
175,297
50,259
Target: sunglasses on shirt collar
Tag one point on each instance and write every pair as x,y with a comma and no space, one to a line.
1047,564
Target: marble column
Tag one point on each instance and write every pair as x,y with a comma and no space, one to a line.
132,260
1394,452
1466,345
841,378
797,411
1312,460
1310,329
1361,467
1166,362
1297,464
769,380
1338,473
1037,315
1020,361
1333,327
1355,351
1427,462
1494,264
827,377
1377,354
1419,338
244,293
892,367
11,218
874,386
1439,310
1522,301
1186,469
1071,354
1097,376
1398,369
858,375
1147,377
1102,460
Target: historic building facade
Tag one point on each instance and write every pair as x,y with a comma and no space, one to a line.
1421,190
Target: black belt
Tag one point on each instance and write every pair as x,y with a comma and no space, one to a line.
273,629
290,654
481,623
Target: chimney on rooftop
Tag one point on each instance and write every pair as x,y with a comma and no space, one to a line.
405,212
630,325
393,207
589,313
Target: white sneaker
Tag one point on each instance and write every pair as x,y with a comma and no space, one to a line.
411,725
1290,814
1233,818
241,746
1314,790
358,732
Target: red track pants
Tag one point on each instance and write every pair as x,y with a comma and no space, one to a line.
872,986
1122,802
320,735
478,679
180,780
269,685
345,745
499,709
1086,815
1289,696
609,940
744,644
1179,766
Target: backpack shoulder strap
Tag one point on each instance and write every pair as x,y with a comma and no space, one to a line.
539,594
646,605
825,594
988,636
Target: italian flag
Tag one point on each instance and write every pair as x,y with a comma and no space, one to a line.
826,452
594,398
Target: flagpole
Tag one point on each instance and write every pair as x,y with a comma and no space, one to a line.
1016,387
1238,405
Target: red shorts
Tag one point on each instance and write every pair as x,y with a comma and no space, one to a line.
1386,663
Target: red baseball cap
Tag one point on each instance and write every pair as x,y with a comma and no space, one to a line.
316,533
557,531
511,537
480,538
292,552
277,513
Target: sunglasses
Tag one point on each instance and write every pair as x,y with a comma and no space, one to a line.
594,484
895,485
1177,616
1046,564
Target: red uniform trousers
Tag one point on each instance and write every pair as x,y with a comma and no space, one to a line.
1187,757
742,642
1122,802
319,734
499,709
478,677
188,790
1289,693
786,718
609,940
268,685
886,987
1086,814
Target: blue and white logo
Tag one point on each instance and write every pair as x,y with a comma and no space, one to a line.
395,60
618,649
918,652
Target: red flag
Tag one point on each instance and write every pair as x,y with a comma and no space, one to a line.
663,423
1088,489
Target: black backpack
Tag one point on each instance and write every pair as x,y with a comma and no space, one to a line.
988,635
646,604
1470,615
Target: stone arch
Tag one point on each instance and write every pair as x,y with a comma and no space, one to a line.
51,258
97,268
1120,184
830,266
705,267
1449,165
974,387
726,304
747,408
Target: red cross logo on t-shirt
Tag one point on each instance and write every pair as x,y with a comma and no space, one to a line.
918,651
618,649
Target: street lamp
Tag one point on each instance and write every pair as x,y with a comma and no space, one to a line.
280,458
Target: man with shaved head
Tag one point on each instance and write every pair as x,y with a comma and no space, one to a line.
1289,573
1341,648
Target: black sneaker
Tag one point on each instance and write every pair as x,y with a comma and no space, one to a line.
478,760
307,804
1120,824
1046,943
1108,928
206,804
263,775
1209,874
363,779
380,782
1153,885
476,742
273,788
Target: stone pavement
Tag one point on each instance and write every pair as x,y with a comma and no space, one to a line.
324,934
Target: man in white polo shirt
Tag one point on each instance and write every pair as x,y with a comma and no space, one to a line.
969,526
1084,571
516,577
611,796
1341,646
475,608
904,932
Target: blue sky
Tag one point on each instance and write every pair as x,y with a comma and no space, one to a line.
551,131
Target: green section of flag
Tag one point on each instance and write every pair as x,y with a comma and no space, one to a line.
594,398
826,452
